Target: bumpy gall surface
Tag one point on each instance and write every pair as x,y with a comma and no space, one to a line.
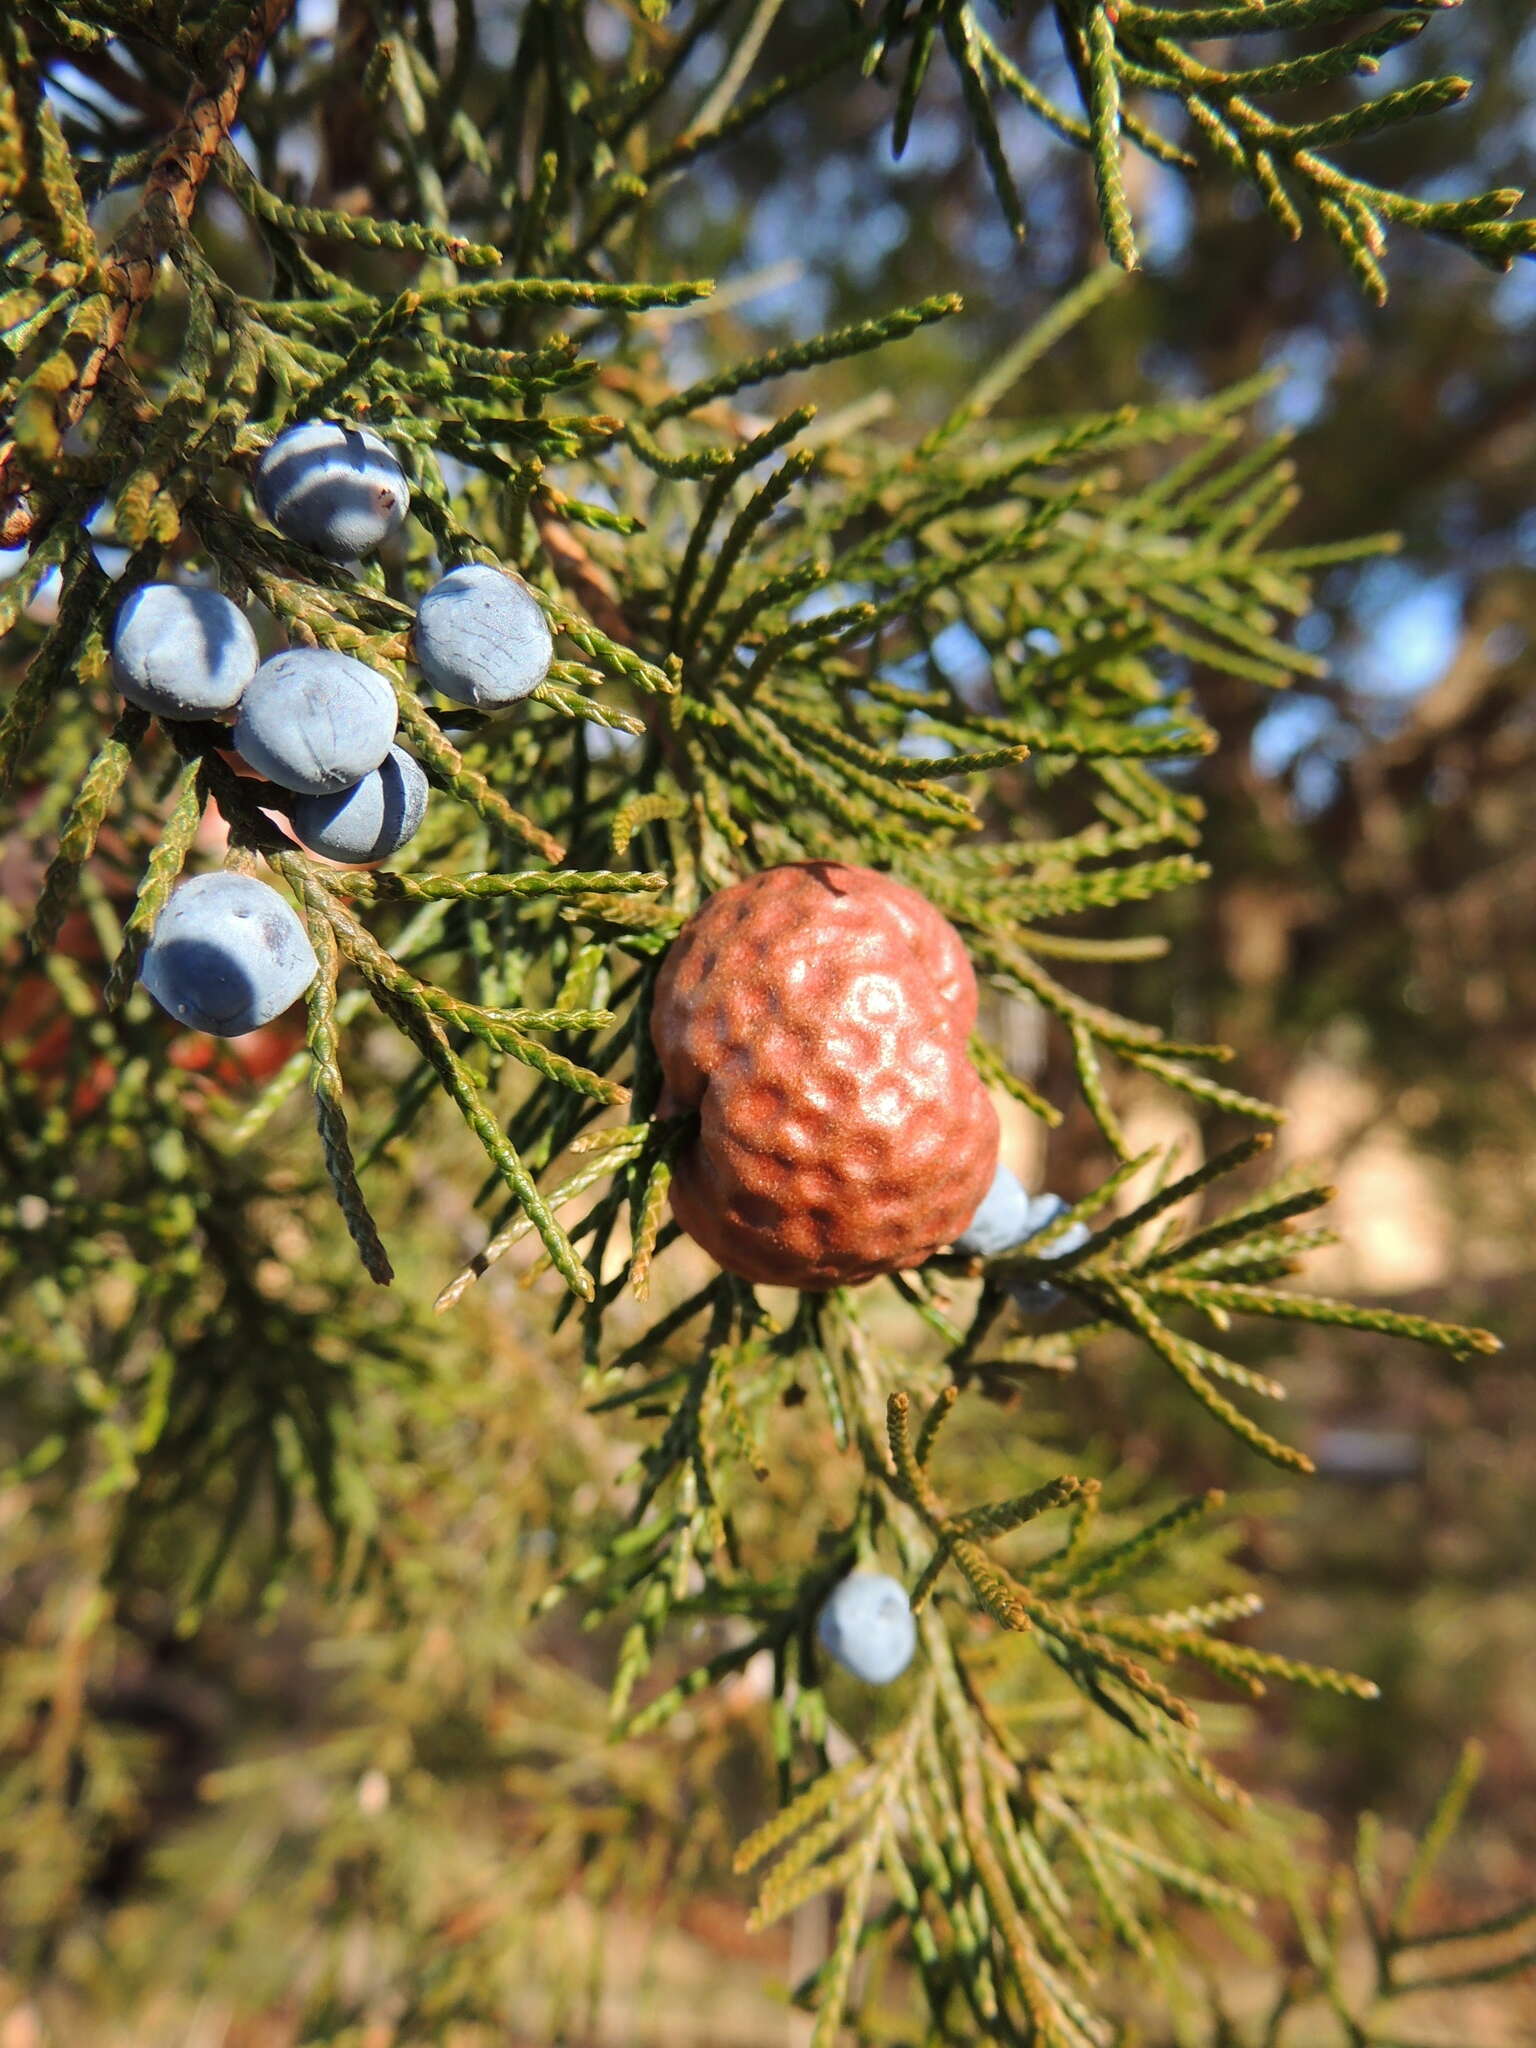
817,1017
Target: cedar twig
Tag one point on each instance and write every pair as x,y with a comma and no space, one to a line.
170,195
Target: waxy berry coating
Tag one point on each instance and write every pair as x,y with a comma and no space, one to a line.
372,819
1038,1297
180,651
817,1017
1001,1222
227,955
1009,1220
314,721
334,486
868,1628
482,637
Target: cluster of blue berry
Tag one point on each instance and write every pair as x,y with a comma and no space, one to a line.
229,954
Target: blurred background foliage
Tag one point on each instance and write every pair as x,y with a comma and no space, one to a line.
249,1825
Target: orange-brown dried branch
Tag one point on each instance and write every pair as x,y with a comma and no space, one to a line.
586,580
170,194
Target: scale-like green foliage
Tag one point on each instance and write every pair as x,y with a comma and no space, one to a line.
752,597
1121,53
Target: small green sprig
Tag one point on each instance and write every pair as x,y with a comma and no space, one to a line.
1119,53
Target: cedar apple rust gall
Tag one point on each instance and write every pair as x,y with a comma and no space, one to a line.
817,1017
